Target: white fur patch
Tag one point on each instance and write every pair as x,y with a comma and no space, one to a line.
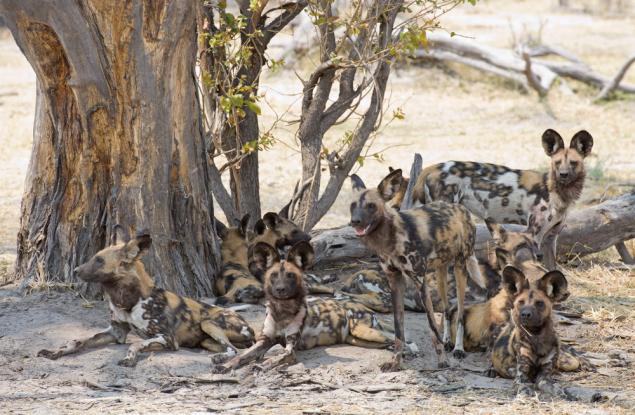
134,317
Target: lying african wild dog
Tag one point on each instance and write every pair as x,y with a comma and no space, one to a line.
300,323
277,230
163,319
435,235
235,283
526,197
528,347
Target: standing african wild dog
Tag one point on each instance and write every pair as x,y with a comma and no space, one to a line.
163,319
527,349
300,323
526,197
235,283
435,235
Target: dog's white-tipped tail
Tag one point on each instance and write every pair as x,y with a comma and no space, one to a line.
475,272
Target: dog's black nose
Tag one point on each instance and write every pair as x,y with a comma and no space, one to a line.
526,314
281,291
540,256
564,175
76,270
355,222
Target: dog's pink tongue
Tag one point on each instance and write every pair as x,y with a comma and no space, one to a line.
360,231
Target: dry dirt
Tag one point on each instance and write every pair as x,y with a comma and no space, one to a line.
455,114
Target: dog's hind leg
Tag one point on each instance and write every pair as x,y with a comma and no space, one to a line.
116,333
367,332
217,334
460,274
434,329
441,275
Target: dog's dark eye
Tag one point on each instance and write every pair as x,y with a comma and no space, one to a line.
274,275
521,303
371,206
574,164
99,261
290,276
540,304
558,163
353,205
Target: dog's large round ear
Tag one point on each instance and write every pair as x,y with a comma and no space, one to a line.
498,231
259,227
555,285
262,256
357,183
243,224
552,142
582,142
137,246
390,184
514,281
271,219
221,229
302,255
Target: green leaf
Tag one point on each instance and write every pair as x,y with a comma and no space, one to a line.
253,107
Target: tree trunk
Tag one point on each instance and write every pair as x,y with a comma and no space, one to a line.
117,139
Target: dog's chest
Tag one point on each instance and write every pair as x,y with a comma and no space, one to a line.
146,317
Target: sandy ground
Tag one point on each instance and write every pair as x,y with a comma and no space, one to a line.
450,114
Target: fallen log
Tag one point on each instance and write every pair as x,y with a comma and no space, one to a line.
588,230
512,66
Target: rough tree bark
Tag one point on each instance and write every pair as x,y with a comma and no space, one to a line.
117,139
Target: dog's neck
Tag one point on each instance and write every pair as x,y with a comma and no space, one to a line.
129,286
567,193
382,238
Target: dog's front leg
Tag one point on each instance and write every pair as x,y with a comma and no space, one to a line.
287,357
150,345
544,377
524,364
396,281
116,333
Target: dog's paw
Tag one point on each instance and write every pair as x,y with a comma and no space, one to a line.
49,354
448,346
127,362
459,354
525,391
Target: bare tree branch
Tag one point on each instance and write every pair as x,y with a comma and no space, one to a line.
615,82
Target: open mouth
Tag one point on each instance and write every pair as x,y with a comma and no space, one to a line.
361,230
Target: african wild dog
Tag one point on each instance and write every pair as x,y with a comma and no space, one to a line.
164,319
277,230
526,197
434,235
484,321
235,283
300,323
528,347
